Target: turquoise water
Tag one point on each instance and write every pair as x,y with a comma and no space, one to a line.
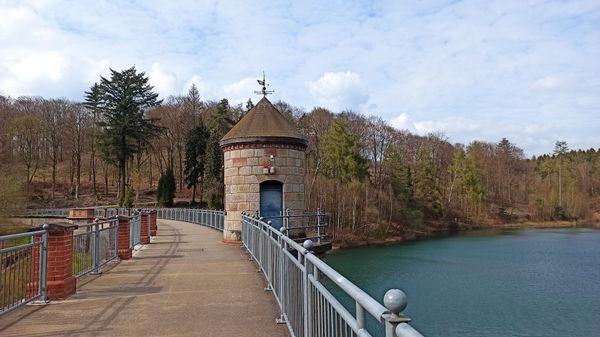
539,282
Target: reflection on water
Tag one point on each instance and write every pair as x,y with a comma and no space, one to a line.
534,282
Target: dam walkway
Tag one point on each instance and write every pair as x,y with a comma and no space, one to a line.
186,282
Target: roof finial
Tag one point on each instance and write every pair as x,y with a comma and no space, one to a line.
264,85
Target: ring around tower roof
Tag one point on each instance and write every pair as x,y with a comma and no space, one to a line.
263,124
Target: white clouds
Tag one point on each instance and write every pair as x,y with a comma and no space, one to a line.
239,92
203,87
401,122
30,71
339,90
446,125
48,65
163,82
498,68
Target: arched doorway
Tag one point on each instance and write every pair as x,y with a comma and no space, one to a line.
271,202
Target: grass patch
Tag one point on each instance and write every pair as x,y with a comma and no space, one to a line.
82,262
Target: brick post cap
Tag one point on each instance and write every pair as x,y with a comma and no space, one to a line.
123,218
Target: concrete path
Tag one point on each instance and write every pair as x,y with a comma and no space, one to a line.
185,283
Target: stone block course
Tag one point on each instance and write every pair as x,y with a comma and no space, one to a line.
257,170
245,170
231,171
247,153
236,180
237,162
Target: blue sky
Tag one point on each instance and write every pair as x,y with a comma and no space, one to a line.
525,70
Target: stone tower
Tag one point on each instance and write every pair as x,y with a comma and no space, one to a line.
264,167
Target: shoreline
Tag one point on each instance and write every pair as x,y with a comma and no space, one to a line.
416,235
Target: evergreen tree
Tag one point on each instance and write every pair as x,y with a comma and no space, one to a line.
166,188
92,101
426,183
220,123
195,153
192,102
560,149
213,170
249,105
343,158
466,180
125,130
399,177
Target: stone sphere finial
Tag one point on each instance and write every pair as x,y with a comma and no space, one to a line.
395,301
282,229
308,245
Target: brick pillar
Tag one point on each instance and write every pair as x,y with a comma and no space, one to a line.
124,236
145,231
153,225
60,282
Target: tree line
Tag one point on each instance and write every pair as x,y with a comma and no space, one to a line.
123,144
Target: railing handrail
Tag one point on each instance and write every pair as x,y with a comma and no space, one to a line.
21,235
98,221
394,323
214,219
23,268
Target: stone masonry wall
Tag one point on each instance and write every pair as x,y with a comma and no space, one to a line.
244,173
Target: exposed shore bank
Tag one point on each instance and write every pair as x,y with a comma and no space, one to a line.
438,232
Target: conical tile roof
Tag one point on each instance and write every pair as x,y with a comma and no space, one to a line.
263,123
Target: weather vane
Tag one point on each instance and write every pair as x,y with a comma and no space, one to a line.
264,85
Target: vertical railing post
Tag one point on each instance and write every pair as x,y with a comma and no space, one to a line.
44,264
280,260
360,316
116,238
286,222
318,225
395,301
96,257
308,245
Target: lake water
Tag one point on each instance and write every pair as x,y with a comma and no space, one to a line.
539,282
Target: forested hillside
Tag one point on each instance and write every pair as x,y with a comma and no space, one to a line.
375,180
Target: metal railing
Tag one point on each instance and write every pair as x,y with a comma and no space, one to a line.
94,245
23,268
111,212
48,212
209,218
135,231
312,226
298,280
